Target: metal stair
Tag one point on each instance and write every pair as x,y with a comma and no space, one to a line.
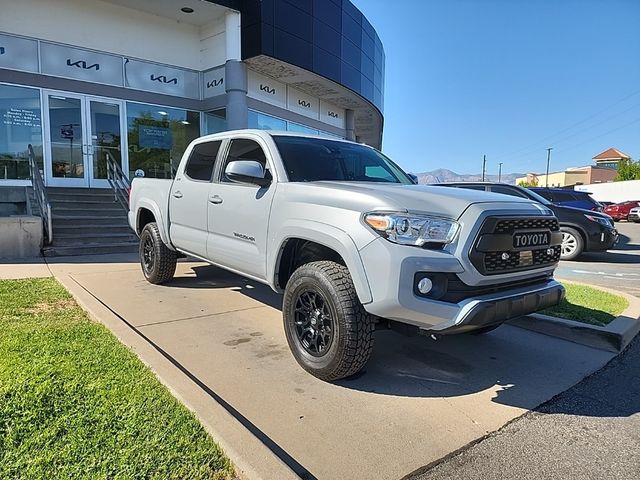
88,221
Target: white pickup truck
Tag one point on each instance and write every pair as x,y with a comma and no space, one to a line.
348,237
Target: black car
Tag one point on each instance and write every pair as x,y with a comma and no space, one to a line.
568,198
582,230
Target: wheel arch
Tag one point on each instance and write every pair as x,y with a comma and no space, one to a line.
301,244
148,211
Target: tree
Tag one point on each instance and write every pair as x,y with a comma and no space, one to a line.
628,170
527,184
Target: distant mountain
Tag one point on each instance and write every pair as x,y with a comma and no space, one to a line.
442,175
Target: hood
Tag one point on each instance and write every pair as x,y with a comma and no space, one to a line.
365,196
595,213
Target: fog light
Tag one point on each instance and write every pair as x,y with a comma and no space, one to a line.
425,285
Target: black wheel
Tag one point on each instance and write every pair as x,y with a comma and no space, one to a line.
329,332
572,244
157,261
483,330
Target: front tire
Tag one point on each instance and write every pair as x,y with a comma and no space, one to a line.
572,244
328,331
157,261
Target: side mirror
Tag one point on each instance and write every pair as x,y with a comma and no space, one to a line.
413,177
247,171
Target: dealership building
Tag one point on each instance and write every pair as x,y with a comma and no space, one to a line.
141,79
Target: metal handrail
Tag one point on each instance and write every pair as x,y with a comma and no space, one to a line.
118,181
41,195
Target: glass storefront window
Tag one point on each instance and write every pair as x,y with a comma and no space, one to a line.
215,121
296,127
158,136
20,125
262,121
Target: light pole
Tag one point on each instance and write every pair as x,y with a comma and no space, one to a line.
499,171
484,163
548,158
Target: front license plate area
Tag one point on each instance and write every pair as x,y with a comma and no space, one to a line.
526,258
528,240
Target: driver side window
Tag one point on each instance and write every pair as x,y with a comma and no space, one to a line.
244,149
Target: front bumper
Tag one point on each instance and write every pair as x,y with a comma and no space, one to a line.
392,272
601,239
633,217
483,312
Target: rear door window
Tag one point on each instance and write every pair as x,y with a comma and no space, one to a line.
507,191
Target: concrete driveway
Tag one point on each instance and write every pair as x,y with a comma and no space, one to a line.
417,401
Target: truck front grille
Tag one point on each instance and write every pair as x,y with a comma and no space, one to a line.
498,255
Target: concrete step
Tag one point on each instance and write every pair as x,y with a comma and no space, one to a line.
57,205
85,228
80,240
106,196
89,212
78,191
80,220
90,249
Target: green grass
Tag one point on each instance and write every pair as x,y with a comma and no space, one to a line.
588,305
75,403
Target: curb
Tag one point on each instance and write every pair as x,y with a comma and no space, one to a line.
613,337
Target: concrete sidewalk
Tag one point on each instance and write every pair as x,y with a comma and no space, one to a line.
216,340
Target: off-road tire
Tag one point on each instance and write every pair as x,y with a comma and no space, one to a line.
352,327
163,261
579,243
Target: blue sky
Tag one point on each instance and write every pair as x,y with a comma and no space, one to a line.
508,78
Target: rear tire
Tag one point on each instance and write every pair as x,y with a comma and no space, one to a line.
329,332
572,244
157,261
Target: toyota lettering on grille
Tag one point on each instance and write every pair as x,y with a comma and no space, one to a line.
531,239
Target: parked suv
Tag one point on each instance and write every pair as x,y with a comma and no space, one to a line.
620,211
634,215
569,198
582,230
349,239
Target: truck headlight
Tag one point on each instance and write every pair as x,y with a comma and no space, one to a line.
409,229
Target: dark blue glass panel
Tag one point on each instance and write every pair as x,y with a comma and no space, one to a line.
366,86
368,45
377,78
367,28
268,7
366,67
306,5
352,11
267,39
350,76
327,38
292,49
326,64
350,53
329,13
293,20
351,29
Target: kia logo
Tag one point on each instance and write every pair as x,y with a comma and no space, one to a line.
82,64
2,50
304,103
269,90
163,79
332,114
215,83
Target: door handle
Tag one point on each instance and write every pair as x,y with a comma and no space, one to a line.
177,194
215,199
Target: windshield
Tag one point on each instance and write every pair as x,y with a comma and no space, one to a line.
313,159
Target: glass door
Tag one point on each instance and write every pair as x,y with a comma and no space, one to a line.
65,138
104,128
80,132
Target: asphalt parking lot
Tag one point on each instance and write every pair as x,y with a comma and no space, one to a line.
417,401
617,269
